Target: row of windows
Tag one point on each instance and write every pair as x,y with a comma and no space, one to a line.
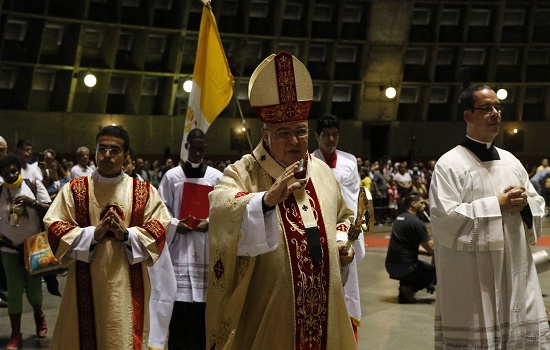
315,19
45,80
477,56
478,17
440,99
56,43
505,22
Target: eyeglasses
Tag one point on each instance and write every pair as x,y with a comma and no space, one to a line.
488,109
112,150
285,133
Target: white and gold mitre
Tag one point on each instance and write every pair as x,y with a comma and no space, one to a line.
280,89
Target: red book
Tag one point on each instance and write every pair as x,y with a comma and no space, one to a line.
194,203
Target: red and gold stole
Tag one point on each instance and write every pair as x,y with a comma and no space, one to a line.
310,278
80,189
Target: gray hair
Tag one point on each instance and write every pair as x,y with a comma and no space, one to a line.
80,149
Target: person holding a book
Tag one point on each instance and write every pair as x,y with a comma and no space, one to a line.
184,189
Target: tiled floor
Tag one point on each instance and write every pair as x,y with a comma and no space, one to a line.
385,323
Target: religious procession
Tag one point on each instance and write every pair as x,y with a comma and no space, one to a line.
290,244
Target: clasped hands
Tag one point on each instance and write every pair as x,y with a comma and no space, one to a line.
111,222
513,198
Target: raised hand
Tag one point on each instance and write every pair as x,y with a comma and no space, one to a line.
280,188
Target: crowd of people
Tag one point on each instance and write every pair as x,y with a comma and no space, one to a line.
389,184
262,253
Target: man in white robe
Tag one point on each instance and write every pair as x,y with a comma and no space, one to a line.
184,188
108,226
344,167
275,221
485,214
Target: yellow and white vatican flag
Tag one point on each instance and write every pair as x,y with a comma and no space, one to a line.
212,79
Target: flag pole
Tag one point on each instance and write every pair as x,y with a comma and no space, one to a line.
242,119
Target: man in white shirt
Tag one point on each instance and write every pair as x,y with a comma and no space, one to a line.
82,168
24,152
344,167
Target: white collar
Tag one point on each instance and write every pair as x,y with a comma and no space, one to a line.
487,144
194,165
96,177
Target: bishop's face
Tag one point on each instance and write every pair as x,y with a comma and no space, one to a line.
483,122
287,142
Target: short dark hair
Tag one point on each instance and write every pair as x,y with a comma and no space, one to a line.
115,131
10,159
195,134
327,120
409,198
21,144
467,98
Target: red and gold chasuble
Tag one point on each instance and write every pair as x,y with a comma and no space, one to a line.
310,278
80,189
290,297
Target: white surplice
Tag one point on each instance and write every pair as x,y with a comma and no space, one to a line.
163,294
189,252
488,293
348,176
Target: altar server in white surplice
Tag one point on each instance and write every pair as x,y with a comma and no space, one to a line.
485,216
184,189
344,167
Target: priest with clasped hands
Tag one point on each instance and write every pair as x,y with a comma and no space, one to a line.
485,215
